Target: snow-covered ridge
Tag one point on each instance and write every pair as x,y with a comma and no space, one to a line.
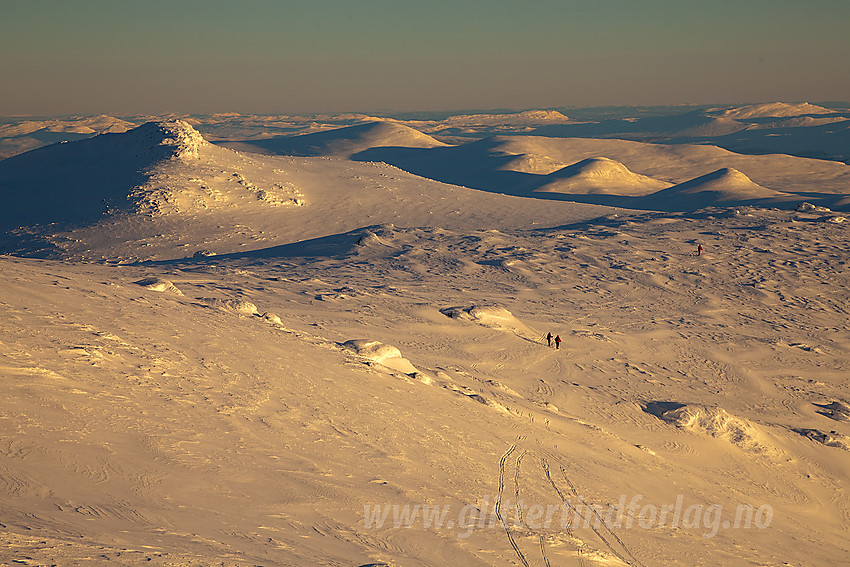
100,124
160,168
774,109
178,136
527,116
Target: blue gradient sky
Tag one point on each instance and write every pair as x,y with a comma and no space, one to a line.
84,56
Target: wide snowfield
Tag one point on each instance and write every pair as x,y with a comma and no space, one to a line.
363,377
142,423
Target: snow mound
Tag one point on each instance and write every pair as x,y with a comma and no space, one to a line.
370,239
775,110
717,423
154,283
272,318
601,175
723,187
810,208
532,163
238,306
380,353
493,317
727,182
344,142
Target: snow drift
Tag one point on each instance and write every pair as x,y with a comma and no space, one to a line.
380,353
493,317
715,422
154,283
600,176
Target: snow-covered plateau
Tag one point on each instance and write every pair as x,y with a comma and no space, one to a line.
335,346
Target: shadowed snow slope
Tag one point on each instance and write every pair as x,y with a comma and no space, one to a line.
19,136
529,166
342,142
161,192
384,354
711,127
79,181
601,175
724,187
733,128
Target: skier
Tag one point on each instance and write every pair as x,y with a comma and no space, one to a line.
699,250
549,338
558,341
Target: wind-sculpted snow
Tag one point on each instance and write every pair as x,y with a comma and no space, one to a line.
494,317
718,423
837,410
184,140
357,369
154,283
238,306
380,353
142,426
829,439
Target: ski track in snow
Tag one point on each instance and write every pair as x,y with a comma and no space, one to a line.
246,406
589,388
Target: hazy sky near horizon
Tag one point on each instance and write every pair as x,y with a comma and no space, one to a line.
114,56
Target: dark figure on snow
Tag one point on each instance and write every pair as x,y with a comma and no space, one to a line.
699,250
549,338
558,341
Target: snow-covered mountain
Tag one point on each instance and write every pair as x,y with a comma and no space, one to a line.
160,191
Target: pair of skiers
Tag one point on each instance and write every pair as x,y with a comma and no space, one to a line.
557,340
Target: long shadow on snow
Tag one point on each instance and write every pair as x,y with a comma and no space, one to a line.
340,245
474,166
